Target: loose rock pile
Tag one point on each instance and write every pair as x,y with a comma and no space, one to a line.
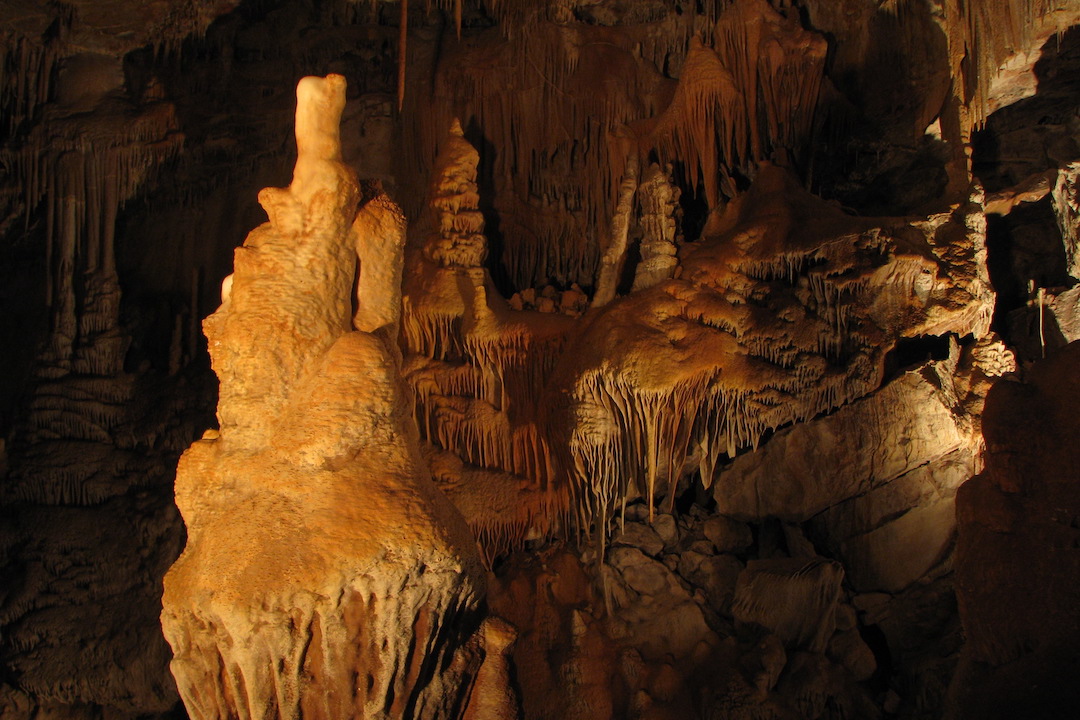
755,607
572,302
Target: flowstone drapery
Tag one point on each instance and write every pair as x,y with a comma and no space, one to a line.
786,309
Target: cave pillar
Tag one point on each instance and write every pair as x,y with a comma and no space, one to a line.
324,575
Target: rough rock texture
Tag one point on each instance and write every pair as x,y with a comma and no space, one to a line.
810,467
774,319
492,697
892,536
659,225
86,491
1018,562
794,598
1050,321
562,659
324,575
654,609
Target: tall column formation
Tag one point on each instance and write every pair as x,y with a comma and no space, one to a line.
324,575
476,368
659,199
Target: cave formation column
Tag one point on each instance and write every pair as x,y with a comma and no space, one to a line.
324,575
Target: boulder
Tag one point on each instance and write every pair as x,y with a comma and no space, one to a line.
794,598
847,648
668,530
810,467
641,536
642,574
764,663
657,614
715,575
727,534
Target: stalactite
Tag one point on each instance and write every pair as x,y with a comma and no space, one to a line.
26,73
557,178
611,263
80,174
543,165
981,37
403,37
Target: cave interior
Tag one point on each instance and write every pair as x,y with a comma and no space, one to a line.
539,359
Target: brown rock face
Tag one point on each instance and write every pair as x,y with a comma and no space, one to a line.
793,597
324,576
1018,553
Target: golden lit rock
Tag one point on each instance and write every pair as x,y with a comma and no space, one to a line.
324,575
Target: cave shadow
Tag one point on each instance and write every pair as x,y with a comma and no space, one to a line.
1033,135
864,153
1046,123
487,189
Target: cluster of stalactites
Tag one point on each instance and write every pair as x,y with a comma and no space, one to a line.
26,70
477,369
480,408
515,17
751,97
774,321
628,443
552,171
79,176
982,35
746,92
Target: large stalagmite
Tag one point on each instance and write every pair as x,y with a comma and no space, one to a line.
324,575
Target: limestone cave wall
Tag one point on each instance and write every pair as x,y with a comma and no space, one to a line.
588,358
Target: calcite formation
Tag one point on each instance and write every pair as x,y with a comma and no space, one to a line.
783,311
659,226
324,575
477,369
680,347
88,469
793,597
